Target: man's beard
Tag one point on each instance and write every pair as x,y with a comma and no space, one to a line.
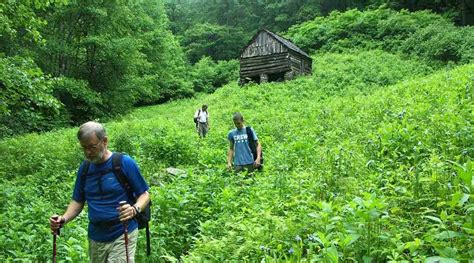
98,158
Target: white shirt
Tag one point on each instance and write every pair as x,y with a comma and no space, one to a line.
201,115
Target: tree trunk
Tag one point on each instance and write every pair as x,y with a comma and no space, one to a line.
463,12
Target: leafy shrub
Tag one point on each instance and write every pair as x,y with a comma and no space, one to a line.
27,103
424,34
363,70
208,75
80,101
441,41
167,147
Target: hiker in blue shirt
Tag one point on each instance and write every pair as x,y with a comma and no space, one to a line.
102,191
244,155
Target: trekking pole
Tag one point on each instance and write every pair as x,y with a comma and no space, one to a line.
125,226
55,234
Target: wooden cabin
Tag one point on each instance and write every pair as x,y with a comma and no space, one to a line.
270,57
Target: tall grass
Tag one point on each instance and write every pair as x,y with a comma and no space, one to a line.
368,159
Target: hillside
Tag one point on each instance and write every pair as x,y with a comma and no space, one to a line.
366,160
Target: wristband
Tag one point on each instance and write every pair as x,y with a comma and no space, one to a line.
137,209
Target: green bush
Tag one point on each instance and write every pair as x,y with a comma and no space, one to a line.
424,34
441,41
167,147
208,75
80,101
363,70
27,103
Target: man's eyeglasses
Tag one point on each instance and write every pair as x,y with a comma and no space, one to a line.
91,147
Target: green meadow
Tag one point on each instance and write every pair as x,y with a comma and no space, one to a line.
367,160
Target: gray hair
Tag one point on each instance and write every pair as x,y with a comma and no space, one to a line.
238,116
89,128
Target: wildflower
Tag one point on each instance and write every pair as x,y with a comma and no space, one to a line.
312,238
298,238
291,251
262,247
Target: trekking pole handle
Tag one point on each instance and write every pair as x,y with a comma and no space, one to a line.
121,203
125,226
60,225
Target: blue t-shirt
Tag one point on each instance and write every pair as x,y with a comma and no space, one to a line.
103,192
242,153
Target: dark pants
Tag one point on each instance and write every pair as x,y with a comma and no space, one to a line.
239,168
203,128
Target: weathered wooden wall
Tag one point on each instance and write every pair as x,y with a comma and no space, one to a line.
263,45
300,64
253,66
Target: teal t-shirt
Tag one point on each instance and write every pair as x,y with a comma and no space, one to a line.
242,153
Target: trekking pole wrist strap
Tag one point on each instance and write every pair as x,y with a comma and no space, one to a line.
137,209
63,221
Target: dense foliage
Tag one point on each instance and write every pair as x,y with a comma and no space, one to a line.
221,28
105,57
100,59
368,160
423,34
208,75
26,97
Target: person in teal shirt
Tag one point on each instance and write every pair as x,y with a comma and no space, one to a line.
239,155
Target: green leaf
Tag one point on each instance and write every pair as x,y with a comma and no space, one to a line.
448,253
443,215
367,259
332,254
438,259
448,235
434,219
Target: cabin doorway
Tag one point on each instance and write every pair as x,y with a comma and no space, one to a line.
278,77
258,79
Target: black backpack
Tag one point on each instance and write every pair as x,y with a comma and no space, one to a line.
253,147
144,216
196,118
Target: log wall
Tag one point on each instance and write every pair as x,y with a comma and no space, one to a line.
254,66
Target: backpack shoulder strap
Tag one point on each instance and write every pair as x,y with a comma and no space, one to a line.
117,169
252,143
82,178
249,133
85,167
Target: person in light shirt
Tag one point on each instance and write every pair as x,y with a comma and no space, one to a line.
201,118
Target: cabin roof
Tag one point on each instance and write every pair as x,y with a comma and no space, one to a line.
287,43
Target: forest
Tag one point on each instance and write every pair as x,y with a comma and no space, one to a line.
368,159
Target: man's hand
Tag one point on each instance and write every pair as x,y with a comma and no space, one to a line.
126,212
56,222
257,162
229,166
